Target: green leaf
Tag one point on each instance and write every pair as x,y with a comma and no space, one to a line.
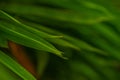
42,59
27,28
78,16
74,41
64,43
85,69
7,72
15,67
26,38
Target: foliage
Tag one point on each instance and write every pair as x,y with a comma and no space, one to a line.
63,39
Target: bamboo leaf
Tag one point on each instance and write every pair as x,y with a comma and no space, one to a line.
74,41
59,15
15,67
28,28
26,38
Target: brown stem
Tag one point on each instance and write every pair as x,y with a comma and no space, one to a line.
20,55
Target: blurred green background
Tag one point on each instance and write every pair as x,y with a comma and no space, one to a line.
65,39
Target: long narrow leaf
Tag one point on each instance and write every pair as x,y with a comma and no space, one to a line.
15,67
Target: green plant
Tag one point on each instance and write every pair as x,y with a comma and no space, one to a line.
59,40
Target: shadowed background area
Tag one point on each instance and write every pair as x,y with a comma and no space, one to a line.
59,40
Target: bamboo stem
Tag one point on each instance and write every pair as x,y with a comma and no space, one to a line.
20,55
